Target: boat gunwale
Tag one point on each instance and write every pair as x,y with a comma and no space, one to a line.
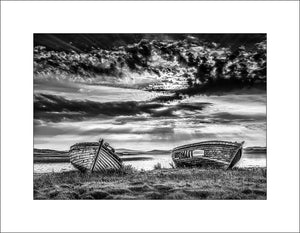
83,144
213,143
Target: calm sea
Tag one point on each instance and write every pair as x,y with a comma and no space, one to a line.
147,162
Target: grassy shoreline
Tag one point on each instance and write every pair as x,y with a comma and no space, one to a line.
239,183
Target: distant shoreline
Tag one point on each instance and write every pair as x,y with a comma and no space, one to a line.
55,156
66,159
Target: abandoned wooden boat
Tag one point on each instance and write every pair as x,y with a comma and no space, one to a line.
208,153
94,156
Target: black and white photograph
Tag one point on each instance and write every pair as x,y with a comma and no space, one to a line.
150,116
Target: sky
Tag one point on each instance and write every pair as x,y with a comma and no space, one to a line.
127,118
79,97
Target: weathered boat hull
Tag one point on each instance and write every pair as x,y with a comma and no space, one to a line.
94,156
199,162
215,154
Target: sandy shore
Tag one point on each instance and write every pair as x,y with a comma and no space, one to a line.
250,183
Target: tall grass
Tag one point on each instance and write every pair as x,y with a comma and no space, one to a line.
157,166
165,184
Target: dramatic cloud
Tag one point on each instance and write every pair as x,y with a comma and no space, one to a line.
155,93
226,117
145,132
78,91
56,108
188,65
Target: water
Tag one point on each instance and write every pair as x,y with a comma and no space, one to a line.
52,167
149,161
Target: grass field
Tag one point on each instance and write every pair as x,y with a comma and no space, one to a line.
250,183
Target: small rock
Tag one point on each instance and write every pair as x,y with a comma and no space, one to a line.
178,195
98,194
87,197
53,193
136,183
154,195
201,194
259,192
81,190
162,187
247,191
140,188
119,191
65,186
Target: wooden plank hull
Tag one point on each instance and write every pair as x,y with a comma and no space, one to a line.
106,161
94,157
215,154
199,162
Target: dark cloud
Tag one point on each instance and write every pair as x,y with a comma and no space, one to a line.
86,42
200,67
121,120
56,108
226,117
192,106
